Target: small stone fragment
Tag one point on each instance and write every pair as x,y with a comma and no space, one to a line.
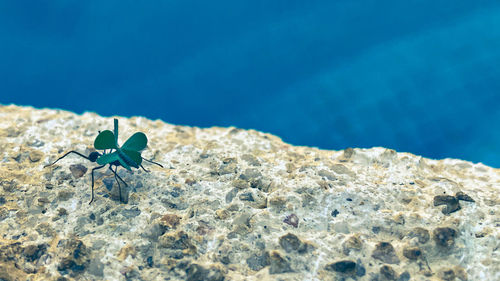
292,220
444,236
170,221
177,241
334,213
461,273
221,214
405,276
464,197
131,212
250,159
451,203
43,200
250,174
35,156
420,233
34,252
387,272
412,253
9,186
149,261
343,266
62,212
45,229
348,152
76,259
195,272
258,261
385,252
360,269
447,274
352,243
231,194
291,242
247,196
78,170
96,268
278,264
64,195
327,174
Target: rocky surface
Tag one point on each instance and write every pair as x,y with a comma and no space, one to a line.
233,204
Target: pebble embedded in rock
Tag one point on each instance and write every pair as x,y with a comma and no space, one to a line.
76,258
258,261
344,266
278,264
231,194
177,241
447,274
451,202
78,170
412,253
64,195
35,156
131,213
405,276
444,236
170,221
385,252
420,233
327,174
34,252
292,220
464,197
352,243
9,185
291,242
250,159
195,272
387,272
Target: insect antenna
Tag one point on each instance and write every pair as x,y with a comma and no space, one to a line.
72,151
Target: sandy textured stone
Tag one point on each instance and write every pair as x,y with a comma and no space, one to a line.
233,204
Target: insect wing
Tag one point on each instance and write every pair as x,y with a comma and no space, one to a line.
124,164
136,142
134,156
105,140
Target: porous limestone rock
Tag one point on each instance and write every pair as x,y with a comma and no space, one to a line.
233,204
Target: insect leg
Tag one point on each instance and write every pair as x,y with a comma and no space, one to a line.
116,178
147,171
72,151
96,168
118,175
151,162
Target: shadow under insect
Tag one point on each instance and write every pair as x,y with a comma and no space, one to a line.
127,156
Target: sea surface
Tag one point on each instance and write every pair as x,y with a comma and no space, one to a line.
415,76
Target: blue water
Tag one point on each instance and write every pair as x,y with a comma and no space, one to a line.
416,76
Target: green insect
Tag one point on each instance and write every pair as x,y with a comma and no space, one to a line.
127,156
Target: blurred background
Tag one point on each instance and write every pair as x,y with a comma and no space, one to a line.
415,76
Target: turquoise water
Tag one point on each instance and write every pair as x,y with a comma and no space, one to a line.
416,76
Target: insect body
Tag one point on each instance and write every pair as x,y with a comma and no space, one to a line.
128,156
